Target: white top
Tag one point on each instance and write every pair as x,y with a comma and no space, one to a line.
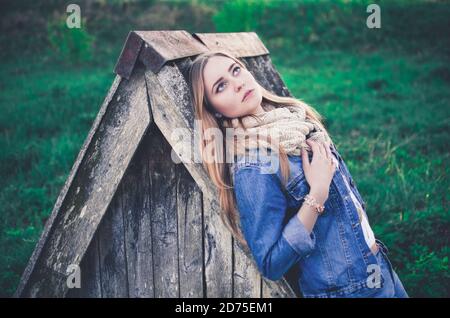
367,230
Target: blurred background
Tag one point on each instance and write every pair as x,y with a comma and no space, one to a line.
384,94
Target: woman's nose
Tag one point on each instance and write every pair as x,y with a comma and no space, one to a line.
239,86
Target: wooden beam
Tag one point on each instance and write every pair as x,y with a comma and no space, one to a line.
129,55
164,229
112,254
239,44
190,235
218,251
90,274
277,289
246,277
168,117
155,48
136,192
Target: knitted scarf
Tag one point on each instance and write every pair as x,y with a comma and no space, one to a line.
286,126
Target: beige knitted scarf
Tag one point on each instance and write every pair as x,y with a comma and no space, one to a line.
286,126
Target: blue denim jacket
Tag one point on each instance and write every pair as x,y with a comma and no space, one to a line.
333,260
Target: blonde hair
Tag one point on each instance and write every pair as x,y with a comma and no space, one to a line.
217,168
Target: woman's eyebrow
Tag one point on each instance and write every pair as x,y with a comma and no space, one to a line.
221,78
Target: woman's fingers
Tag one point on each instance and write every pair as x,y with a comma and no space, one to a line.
332,159
324,150
324,153
318,148
314,146
305,159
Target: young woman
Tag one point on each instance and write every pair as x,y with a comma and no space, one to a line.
307,212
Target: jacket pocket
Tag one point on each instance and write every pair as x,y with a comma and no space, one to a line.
298,187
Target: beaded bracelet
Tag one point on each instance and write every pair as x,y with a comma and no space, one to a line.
313,203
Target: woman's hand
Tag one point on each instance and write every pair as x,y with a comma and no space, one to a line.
319,172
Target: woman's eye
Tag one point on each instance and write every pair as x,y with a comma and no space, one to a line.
218,86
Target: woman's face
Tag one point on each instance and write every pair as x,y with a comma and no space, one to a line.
225,86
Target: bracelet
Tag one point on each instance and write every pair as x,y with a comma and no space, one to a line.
313,203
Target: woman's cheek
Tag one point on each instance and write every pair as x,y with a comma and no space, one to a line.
229,102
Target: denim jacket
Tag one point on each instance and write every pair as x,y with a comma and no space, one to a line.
333,260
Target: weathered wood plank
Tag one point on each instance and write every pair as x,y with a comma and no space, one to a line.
218,252
167,116
190,235
129,55
156,48
161,47
264,72
48,282
164,217
113,267
107,151
257,70
278,289
240,44
90,274
246,277
175,87
136,203
277,84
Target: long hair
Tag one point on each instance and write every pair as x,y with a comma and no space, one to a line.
217,167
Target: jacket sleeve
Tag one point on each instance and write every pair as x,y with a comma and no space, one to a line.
262,207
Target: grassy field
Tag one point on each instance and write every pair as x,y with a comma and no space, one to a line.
384,95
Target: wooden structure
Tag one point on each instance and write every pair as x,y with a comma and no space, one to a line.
136,223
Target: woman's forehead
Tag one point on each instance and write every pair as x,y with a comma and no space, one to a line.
216,67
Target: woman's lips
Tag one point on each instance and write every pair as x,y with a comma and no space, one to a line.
249,93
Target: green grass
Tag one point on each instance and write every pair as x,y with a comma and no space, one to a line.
384,95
